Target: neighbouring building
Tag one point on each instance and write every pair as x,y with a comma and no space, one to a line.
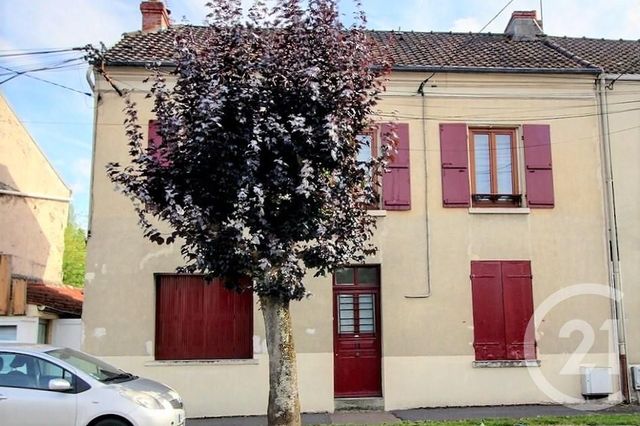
494,213
34,206
619,85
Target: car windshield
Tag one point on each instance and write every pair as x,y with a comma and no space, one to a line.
97,369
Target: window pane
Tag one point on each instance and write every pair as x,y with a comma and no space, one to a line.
367,313
364,153
482,164
344,276
21,371
345,314
49,371
43,331
368,276
8,332
503,164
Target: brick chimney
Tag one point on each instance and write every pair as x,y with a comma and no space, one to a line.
524,25
155,16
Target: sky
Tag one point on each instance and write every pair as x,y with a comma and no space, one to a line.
60,119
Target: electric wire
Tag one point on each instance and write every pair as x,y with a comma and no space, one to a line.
44,81
41,52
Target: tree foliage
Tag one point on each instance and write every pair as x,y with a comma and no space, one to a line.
257,174
75,253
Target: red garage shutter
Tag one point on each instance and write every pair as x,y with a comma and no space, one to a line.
195,320
518,309
396,183
488,312
537,156
455,165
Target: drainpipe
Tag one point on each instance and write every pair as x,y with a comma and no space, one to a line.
612,234
427,292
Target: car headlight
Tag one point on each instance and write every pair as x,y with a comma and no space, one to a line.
143,399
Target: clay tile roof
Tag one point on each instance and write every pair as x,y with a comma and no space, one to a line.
488,52
614,56
62,299
431,51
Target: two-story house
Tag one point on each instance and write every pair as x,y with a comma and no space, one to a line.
491,284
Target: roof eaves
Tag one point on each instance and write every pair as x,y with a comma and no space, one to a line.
150,63
519,70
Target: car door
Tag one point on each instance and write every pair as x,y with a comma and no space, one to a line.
25,398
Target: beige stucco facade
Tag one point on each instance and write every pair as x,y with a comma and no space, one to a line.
34,203
624,134
427,333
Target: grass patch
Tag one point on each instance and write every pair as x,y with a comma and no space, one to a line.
588,420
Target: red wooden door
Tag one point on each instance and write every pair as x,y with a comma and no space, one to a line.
356,319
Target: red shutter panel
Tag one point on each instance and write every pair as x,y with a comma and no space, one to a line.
539,174
155,140
518,310
195,320
178,307
158,153
488,313
243,321
396,183
455,165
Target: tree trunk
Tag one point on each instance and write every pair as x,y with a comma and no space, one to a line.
284,403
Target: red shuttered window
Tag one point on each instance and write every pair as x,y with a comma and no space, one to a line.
502,310
396,183
196,320
480,166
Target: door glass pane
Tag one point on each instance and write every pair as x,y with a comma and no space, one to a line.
503,164
367,313
8,332
345,314
344,276
368,276
482,164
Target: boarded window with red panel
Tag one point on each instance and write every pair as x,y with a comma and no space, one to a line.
200,320
502,310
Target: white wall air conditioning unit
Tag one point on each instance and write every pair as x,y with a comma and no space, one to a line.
596,381
635,377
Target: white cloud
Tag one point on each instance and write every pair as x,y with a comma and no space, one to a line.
82,167
464,25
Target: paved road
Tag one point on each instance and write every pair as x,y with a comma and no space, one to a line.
380,417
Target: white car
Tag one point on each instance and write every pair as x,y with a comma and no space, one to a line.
46,385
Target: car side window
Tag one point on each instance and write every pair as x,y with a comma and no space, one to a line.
25,371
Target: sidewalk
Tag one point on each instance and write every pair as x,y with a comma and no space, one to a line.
462,413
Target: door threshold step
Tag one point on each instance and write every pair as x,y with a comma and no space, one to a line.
359,404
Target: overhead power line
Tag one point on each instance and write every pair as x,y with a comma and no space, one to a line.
18,73
41,52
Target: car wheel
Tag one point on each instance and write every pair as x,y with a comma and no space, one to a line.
111,422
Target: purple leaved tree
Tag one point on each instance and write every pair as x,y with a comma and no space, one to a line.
258,174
